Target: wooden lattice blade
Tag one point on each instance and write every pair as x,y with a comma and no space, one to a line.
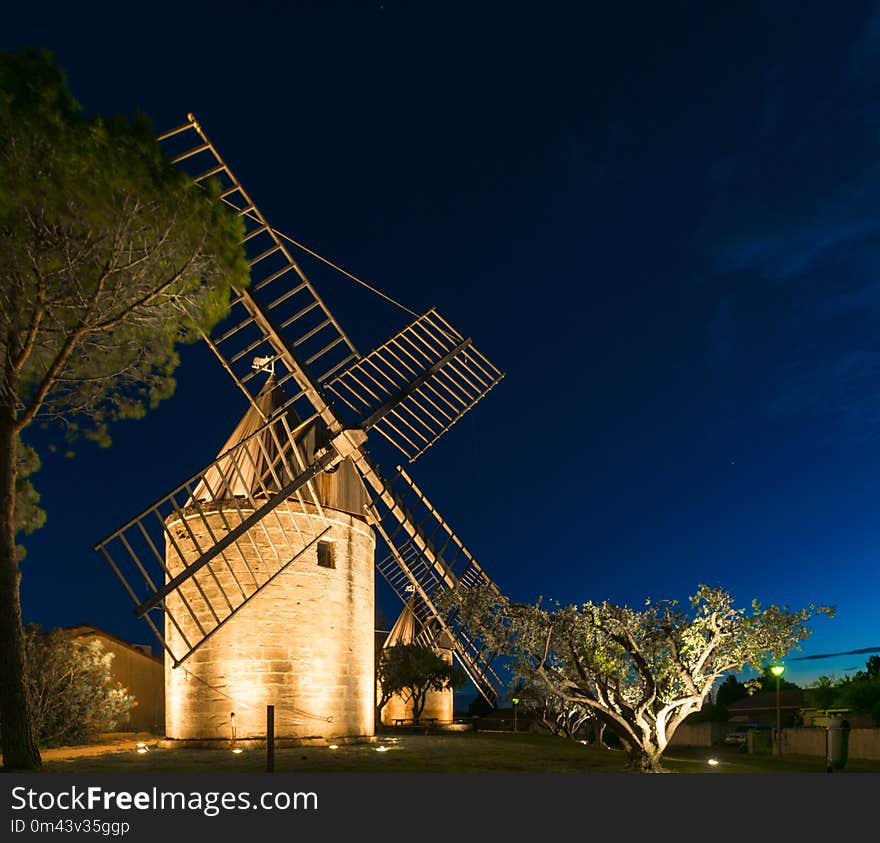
411,390
415,386
425,560
279,319
206,548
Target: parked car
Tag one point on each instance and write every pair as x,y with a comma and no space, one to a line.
740,735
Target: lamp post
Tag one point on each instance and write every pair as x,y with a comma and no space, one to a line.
515,700
777,670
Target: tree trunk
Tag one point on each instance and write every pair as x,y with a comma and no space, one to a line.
418,704
644,759
19,747
378,725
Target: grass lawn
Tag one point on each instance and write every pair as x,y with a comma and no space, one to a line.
463,752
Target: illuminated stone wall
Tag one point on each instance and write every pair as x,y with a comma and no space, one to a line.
438,705
304,644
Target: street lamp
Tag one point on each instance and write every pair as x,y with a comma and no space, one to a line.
515,700
777,670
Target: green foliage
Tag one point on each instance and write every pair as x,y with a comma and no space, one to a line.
860,693
642,672
71,689
386,680
872,669
710,713
822,693
414,669
767,681
110,255
730,690
28,516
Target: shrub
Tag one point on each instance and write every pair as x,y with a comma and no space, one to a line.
71,691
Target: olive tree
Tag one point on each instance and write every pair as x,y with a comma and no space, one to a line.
109,257
640,671
558,716
412,670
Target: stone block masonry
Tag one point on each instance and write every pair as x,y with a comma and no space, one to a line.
303,644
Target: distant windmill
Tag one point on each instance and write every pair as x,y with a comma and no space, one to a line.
438,704
260,567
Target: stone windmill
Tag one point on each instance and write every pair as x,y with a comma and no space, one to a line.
257,573
438,705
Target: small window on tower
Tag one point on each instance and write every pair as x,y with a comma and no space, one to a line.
325,555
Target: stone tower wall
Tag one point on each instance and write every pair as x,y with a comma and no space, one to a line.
303,644
438,705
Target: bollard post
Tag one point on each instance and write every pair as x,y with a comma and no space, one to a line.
827,752
270,738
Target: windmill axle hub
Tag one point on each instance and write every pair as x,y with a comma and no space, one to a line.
347,444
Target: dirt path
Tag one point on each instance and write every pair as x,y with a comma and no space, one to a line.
110,742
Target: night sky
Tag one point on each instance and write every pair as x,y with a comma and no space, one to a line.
661,221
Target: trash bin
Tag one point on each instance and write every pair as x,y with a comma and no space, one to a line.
836,743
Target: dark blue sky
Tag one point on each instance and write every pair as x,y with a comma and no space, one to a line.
661,223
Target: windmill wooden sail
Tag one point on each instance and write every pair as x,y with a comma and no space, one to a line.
308,423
